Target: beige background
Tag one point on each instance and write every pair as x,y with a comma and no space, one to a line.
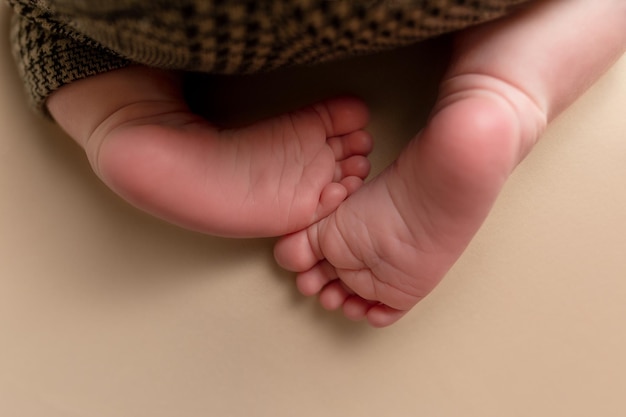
105,311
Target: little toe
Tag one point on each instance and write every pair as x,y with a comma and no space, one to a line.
342,115
333,295
381,315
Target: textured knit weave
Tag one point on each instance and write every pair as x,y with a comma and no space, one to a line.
59,41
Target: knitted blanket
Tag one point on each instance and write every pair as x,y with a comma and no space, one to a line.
56,42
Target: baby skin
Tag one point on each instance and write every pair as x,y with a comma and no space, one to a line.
271,178
372,250
390,243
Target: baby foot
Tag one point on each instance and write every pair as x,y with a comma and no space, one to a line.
391,242
267,179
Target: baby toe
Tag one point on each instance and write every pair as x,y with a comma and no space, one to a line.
352,184
333,295
382,316
295,252
342,115
312,281
359,142
355,166
331,196
356,308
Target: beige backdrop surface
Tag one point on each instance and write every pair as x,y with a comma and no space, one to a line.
105,311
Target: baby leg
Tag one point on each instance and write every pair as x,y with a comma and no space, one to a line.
270,178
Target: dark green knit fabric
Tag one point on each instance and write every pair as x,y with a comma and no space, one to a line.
59,41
